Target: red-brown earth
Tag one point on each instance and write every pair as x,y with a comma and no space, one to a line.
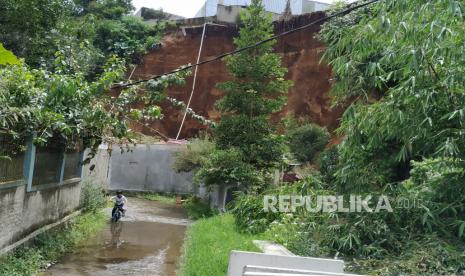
301,53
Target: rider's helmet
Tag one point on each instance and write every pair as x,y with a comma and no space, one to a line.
119,193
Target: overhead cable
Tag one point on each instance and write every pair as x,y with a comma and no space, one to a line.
350,8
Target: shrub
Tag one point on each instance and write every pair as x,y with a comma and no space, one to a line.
225,167
249,214
328,161
192,156
306,141
128,37
148,14
92,197
196,208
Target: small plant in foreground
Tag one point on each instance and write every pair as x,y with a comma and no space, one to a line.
196,208
249,214
92,197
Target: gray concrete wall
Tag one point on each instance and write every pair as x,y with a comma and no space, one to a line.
148,168
145,168
100,164
23,212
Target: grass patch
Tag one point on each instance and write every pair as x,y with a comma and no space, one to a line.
49,246
164,198
196,208
209,243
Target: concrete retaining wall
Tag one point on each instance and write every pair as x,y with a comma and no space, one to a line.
98,170
145,168
148,168
24,212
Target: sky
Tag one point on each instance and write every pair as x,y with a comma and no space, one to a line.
186,8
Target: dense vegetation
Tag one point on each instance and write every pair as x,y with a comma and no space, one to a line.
73,52
90,31
403,137
247,145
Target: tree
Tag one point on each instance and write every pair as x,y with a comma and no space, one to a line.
257,90
152,14
61,106
107,9
287,14
404,133
407,76
26,26
91,31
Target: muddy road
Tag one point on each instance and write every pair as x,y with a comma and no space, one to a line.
147,241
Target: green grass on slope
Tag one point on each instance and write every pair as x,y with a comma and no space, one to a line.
209,243
163,198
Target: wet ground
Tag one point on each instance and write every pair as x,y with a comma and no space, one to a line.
147,241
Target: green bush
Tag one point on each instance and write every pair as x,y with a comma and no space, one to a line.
149,14
128,37
328,161
196,208
306,141
92,197
223,167
249,214
193,155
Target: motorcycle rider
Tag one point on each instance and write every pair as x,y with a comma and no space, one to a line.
120,200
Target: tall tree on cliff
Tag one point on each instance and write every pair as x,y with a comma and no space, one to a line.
247,143
287,14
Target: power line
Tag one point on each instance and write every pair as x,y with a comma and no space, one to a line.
194,81
318,21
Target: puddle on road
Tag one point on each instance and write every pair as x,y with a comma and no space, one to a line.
127,248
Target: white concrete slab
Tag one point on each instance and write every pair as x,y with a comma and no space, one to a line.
272,271
272,248
238,260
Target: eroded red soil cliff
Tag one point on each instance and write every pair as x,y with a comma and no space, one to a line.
301,54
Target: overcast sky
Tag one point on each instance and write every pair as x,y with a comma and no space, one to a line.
186,8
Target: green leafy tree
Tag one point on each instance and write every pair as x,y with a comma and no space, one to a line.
407,76
401,65
61,106
26,26
107,9
257,89
89,31
152,14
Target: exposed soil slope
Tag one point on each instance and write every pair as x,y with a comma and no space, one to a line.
301,55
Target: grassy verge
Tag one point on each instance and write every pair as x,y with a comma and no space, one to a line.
156,197
197,209
49,246
209,243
